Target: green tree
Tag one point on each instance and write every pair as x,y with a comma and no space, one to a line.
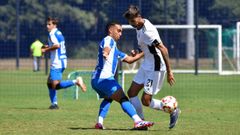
225,11
175,9
34,13
8,21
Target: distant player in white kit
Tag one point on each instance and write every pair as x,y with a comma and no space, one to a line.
151,73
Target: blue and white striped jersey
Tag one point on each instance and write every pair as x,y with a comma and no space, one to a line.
58,56
106,68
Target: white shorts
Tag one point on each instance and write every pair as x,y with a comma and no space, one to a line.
152,80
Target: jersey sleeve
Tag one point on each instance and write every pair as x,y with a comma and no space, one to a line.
121,55
107,42
53,39
152,37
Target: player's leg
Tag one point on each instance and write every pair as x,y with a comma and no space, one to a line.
110,88
148,101
52,95
54,79
135,88
103,110
34,63
153,84
100,86
65,84
61,84
134,99
68,83
38,63
128,108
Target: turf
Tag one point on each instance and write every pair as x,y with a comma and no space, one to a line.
209,104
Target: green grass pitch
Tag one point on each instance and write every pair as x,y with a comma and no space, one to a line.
210,105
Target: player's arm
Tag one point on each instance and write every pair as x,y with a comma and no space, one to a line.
164,51
55,45
46,48
135,56
106,51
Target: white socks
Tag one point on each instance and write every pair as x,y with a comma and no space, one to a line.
100,120
136,118
74,81
156,104
137,105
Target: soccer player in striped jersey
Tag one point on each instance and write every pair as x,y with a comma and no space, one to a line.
151,73
56,47
103,81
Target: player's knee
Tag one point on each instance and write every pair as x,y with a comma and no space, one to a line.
58,86
55,85
123,99
108,99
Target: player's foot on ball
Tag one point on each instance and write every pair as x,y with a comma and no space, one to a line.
81,84
99,126
174,117
142,125
55,106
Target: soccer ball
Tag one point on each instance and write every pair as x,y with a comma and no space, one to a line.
169,104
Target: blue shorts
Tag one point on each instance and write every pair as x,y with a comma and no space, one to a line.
105,87
56,74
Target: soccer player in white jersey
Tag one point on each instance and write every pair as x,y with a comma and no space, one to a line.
103,81
56,47
151,73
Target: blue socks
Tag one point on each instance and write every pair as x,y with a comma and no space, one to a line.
62,84
65,84
104,107
128,108
53,96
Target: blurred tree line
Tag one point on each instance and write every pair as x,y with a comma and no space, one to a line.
82,21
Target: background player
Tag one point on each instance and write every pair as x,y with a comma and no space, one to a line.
151,73
56,47
36,54
103,81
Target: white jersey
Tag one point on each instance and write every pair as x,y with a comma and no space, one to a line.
106,68
58,56
147,36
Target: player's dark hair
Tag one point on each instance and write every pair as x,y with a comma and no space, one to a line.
109,25
53,20
132,12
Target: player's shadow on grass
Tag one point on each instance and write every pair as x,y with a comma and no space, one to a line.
92,128
31,108
113,129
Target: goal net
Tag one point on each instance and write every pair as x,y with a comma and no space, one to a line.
214,57
231,51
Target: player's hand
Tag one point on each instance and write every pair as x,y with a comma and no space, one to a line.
44,47
133,53
170,78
